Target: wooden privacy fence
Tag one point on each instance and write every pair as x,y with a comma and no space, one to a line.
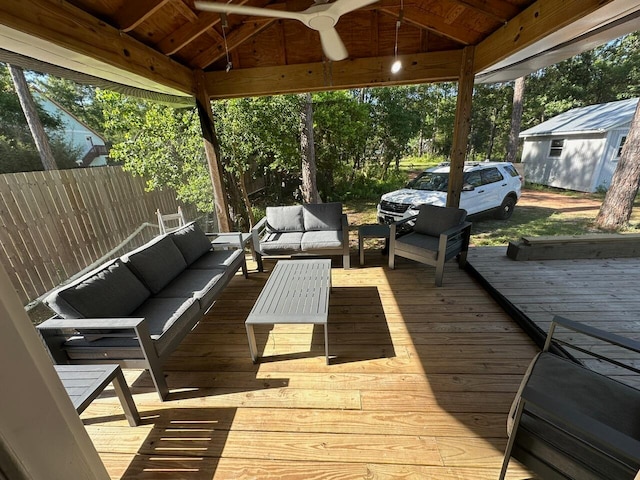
54,224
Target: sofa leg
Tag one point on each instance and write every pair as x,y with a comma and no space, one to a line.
346,261
439,273
259,262
160,383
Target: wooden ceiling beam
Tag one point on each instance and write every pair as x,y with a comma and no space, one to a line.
536,22
497,10
310,77
422,19
133,14
66,26
235,37
170,44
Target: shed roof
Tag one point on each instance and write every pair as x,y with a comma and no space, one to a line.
598,118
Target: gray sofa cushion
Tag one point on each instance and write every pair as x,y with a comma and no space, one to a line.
285,219
111,290
217,259
163,313
156,263
321,240
198,284
423,245
322,216
281,243
434,220
191,241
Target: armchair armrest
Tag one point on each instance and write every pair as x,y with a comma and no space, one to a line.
257,232
593,332
394,226
596,333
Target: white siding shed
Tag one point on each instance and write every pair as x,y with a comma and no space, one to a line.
578,149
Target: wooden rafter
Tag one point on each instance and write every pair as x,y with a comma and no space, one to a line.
132,14
69,27
494,9
187,33
424,19
235,37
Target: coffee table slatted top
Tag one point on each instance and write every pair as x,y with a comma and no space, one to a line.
297,291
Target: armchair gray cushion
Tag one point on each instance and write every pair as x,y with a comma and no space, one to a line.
318,240
281,242
156,263
191,241
419,244
285,219
322,216
434,220
109,291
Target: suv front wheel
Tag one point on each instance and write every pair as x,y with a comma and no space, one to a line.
506,209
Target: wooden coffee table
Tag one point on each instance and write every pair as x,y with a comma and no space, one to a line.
296,292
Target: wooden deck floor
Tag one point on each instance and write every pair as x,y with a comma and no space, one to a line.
603,293
419,388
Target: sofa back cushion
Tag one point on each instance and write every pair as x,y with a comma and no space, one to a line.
191,241
434,220
111,290
285,219
322,216
156,263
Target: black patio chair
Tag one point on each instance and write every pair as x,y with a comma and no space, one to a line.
568,421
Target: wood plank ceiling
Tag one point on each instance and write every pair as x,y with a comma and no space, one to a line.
165,41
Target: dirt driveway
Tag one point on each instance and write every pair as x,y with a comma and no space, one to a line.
582,205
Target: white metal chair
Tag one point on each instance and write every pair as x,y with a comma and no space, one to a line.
171,221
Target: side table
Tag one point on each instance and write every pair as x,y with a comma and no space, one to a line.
84,383
370,231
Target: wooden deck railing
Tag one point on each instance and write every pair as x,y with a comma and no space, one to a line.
54,224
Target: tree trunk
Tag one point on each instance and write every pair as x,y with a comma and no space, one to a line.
516,120
245,199
618,202
307,149
33,120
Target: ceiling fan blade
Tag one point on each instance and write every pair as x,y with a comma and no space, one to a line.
246,10
340,7
332,45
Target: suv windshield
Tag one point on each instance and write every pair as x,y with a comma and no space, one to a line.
430,181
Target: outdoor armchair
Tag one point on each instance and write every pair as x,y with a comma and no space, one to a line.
439,234
568,421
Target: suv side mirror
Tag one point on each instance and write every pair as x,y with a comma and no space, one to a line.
467,187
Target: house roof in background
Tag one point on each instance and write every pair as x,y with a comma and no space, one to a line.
590,119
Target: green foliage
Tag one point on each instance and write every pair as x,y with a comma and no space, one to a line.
162,144
18,152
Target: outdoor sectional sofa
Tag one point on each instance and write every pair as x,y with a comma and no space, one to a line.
135,310
301,230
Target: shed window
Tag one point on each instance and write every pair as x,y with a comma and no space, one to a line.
623,139
556,148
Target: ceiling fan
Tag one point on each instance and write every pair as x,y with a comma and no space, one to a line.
321,17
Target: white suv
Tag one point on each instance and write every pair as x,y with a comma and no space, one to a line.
487,186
